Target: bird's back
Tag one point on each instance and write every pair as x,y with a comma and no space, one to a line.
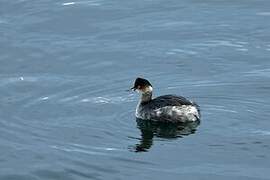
169,100
169,108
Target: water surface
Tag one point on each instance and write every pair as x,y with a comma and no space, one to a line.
65,66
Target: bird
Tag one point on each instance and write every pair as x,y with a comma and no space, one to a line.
166,108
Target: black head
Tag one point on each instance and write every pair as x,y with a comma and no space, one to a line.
141,83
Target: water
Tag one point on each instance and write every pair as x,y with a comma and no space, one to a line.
65,66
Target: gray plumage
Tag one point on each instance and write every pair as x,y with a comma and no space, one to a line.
170,108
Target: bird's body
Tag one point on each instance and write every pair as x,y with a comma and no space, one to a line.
169,108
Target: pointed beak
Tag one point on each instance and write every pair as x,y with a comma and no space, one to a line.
132,89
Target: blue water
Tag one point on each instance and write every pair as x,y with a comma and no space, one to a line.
66,66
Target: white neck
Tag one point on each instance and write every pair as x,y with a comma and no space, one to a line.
146,94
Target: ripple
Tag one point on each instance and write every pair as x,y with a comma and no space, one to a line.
82,2
87,166
226,43
263,13
124,119
242,49
53,115
77,94
236,170
15,176
259,72
109,100
88,149
68,3
3,21
262,132
81,174
97,148
52,174
11,80
182,51
221,109
78,150
40,117
176,23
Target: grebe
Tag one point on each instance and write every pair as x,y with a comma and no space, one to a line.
168,108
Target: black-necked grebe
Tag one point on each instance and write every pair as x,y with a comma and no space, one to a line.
169,108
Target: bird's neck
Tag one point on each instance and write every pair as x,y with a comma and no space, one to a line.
147,95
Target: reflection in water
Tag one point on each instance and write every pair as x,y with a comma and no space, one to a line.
151,129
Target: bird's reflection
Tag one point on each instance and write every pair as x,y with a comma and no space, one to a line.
151,129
